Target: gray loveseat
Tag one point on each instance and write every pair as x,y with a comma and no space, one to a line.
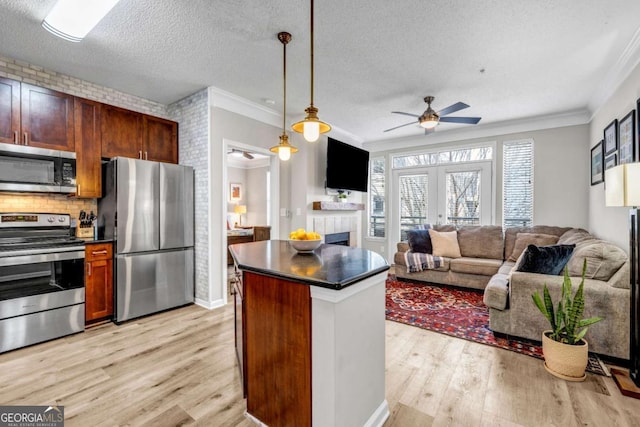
485,264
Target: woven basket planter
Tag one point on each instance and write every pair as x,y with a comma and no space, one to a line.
563,360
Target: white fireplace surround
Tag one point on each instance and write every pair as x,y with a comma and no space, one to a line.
328,224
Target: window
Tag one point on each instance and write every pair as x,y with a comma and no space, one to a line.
470,154
517,183
376,198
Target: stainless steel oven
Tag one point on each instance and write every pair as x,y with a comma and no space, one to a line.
41,279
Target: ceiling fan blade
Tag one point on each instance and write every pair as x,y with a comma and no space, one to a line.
406,114
464,120
247,155
452,108
401,126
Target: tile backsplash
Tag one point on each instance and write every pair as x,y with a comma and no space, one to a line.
45,203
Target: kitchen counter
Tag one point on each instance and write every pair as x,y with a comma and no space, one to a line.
327,307
329,266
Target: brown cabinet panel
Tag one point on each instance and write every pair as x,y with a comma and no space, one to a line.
121,132
88,141
9,111
160,141
46,118
98,282
278,350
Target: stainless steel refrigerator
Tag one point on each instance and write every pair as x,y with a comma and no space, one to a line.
148,211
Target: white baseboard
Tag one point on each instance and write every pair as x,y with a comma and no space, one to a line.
380,415
209,305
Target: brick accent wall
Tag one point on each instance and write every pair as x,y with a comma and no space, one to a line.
45,203
192,114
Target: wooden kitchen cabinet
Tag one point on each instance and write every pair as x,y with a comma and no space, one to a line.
46,118
160,140
98,282
88,142
121,132
9,111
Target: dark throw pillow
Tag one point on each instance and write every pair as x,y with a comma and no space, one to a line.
545,259
419,241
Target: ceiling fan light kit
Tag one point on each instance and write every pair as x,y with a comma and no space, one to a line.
311,127
284,149
430,118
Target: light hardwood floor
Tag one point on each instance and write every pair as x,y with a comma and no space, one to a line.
178,368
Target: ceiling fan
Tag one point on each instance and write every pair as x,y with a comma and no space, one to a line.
430,118
245,154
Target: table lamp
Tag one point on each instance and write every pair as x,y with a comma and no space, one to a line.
240,209
622,188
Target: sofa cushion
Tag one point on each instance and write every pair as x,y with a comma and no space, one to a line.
603,259
511,233
445,243
419,241
481,241
525,239
575,236
496,294
402,246
483,266
545,259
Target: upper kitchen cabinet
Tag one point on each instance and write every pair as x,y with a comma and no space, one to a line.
121,132
88,138
160,142
9,111
126,133
46,118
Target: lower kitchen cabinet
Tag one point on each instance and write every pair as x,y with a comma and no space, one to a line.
98,282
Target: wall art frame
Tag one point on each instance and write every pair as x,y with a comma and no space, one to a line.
235,192
611,138
597,164
627,137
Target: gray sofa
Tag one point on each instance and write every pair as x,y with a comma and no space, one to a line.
485,265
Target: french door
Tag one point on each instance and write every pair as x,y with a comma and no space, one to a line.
459,194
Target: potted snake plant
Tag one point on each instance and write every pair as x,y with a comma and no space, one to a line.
565,350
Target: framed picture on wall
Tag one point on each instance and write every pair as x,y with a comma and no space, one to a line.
611,138
235,192
637,141
610,161
627,136
597,170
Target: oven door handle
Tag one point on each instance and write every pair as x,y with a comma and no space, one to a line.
43,257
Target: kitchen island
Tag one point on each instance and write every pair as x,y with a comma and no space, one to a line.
310,334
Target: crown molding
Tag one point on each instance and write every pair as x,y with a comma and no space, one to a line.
489,130
228,101
617,74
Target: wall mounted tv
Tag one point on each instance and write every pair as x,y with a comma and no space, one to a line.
347,166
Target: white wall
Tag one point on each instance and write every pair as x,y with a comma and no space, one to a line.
256,195
561,178
612,223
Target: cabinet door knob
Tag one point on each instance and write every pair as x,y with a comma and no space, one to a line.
140,154
88,269
146,155
102,252
25,139
16,139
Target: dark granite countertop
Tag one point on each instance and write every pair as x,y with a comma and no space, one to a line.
329,266
91,241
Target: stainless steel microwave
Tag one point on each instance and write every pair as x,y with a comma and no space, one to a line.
32,169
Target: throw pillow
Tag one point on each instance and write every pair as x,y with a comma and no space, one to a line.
445,243
525,239
419,241
545,259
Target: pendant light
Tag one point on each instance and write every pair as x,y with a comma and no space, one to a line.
284,149
311,127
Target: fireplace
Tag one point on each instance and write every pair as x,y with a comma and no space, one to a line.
337,238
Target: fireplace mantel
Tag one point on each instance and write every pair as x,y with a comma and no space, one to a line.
337,206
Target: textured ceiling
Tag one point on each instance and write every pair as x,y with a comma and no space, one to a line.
371,57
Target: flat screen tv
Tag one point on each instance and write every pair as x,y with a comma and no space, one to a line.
347,166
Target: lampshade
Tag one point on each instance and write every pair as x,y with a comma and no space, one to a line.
311,127
73,19
240,209
284,149
623,185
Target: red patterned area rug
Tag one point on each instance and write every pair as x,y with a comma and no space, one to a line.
459,313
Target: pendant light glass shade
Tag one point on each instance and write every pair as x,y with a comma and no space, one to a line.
284,149
311,127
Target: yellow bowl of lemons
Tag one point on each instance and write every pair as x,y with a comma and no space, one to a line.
304,241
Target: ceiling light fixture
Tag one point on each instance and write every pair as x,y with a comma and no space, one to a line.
430,118
284,149
73,19
311,127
